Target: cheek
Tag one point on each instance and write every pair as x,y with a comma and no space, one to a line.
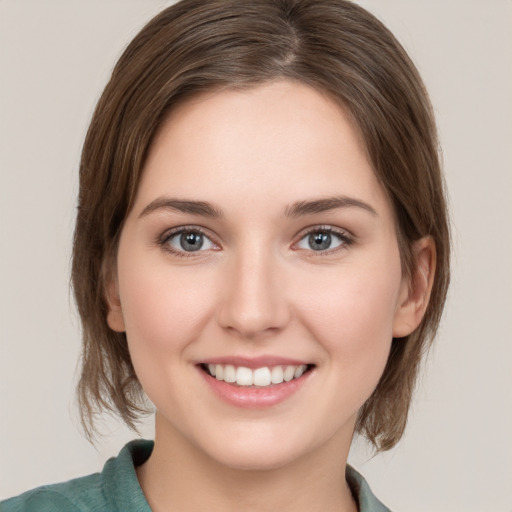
351,315
163,310
164,313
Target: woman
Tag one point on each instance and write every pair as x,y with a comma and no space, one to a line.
262,249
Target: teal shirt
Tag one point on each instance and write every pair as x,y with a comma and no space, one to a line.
116,489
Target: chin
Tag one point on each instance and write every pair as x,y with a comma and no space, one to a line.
254,459
260,449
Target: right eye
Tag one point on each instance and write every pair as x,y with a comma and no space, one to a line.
187,241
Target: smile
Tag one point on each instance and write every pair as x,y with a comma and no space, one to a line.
257,377
256,383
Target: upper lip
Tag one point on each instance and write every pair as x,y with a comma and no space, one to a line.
254,362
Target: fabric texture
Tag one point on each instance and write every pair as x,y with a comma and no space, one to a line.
116,489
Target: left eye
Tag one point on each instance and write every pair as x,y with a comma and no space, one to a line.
321,240
189,241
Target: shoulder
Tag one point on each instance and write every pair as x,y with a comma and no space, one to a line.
116,488
78,495
362,493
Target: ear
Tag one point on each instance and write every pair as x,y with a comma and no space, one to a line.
115,318
415,291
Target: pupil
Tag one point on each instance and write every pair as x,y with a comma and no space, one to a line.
320,241
191,241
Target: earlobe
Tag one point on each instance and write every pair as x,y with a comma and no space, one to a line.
415,293
115,318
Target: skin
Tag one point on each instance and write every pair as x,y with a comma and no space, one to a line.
257,288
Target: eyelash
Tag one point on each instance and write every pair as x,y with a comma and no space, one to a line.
346,239
163,241
343,236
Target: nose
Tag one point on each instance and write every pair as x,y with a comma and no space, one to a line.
253,293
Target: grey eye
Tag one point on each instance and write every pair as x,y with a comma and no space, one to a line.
321,240
190,241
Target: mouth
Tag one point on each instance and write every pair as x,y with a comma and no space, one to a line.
261,377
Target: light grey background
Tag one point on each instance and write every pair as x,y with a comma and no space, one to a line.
55,56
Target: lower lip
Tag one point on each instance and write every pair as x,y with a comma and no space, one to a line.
251,397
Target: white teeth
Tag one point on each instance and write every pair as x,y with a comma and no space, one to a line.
277,375
244,376
229,373
261,377
299,371
289,373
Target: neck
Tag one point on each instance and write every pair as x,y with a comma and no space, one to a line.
181,478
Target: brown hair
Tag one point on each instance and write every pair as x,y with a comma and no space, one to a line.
196,45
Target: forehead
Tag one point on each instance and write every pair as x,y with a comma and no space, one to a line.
282,139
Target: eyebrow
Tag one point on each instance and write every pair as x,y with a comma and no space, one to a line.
296,209
300,208
182,206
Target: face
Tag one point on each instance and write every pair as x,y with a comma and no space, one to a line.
258,276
